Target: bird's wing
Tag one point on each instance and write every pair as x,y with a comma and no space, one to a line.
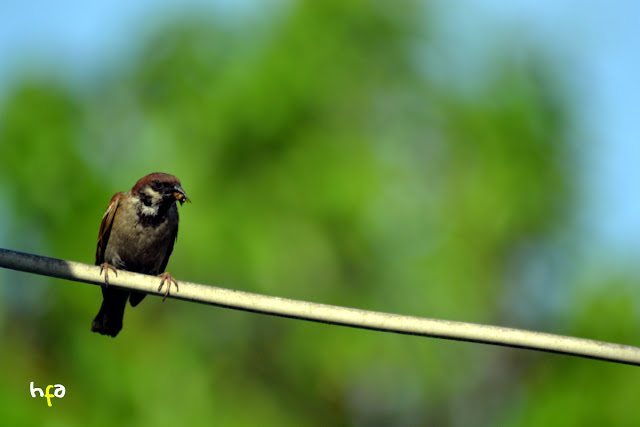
105,227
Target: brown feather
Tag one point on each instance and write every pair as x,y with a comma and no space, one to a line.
105,226
156,176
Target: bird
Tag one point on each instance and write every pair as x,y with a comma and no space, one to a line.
137,234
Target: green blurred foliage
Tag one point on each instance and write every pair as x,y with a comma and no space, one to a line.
324,165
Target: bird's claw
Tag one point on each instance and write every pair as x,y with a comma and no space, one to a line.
166,277
106,267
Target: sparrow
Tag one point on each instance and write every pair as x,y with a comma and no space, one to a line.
137,234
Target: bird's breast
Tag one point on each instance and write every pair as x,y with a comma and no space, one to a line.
140,245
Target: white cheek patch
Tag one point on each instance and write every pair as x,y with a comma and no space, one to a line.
157,198
149,210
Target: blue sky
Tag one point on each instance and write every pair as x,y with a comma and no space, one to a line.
596,46
598,40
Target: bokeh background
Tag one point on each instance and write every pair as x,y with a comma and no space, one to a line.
470,161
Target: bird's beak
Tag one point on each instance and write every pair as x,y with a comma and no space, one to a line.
180,194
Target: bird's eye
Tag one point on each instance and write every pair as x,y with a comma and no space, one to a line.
156,185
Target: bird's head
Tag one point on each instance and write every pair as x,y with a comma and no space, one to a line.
157,191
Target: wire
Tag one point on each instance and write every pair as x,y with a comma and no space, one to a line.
323,313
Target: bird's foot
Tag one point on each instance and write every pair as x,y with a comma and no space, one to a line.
106,267
166,277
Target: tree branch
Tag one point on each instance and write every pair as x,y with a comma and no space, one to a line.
323,313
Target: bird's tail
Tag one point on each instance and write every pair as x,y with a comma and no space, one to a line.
109,319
